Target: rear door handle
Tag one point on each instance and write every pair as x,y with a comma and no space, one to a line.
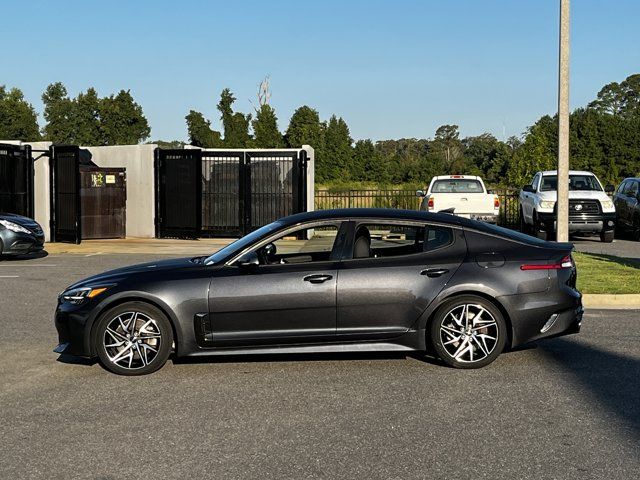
434,272
317,278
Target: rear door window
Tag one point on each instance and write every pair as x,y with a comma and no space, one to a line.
379,240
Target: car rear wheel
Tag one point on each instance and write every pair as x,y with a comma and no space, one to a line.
134,338
468,332
607,237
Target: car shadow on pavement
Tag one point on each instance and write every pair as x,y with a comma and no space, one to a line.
306,357
625,261
28,256
72,360
613,379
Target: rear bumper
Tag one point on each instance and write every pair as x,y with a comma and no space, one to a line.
544,315
580,223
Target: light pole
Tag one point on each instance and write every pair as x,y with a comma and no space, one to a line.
563,126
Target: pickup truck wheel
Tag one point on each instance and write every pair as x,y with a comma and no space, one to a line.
607,237
635,232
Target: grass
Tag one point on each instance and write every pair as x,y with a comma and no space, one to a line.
607,274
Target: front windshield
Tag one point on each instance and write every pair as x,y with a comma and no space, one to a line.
576,182
242,243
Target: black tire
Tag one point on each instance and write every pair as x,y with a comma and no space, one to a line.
607,237
157,336
635,231
440,335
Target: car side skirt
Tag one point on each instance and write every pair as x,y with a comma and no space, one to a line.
330,348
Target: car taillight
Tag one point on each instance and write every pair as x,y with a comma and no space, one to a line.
566,262
496,202
430,203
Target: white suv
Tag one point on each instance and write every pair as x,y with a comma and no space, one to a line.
590,209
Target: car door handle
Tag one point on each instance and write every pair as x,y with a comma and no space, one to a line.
317,278
434,272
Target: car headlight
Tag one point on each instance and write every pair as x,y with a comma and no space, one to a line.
14,227
606,204
547,204
78,295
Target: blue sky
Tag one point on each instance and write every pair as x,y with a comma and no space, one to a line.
391,69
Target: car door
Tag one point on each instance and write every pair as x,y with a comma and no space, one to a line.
631,201
619,200
528,200
290,297
382,293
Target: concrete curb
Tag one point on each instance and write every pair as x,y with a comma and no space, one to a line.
629,301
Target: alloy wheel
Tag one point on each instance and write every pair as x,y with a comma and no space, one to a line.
132,340
469,333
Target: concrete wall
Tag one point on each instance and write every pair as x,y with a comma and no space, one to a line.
138,160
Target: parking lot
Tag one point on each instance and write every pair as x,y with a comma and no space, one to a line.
564,408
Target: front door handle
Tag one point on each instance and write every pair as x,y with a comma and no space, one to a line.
434,272
317,278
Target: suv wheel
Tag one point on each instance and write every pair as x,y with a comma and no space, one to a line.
635,233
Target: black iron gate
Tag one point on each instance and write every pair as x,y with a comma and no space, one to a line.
244,190
64,169
16,179
178,193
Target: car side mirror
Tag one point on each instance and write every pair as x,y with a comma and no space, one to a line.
528,188
249,260
609,188
420,193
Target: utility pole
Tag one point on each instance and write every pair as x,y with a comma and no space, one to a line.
562,225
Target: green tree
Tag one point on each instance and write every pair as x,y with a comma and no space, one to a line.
619,98
18,119
447,143
86,119
59,113
122,120
305,128
265,128
235,124
200,132
338,152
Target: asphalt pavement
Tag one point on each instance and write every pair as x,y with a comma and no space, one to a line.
563,408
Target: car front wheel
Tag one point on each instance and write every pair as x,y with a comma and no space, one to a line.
134,338
468,332
607,237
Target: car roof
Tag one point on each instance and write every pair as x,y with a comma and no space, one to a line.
456,177
571,172
377,213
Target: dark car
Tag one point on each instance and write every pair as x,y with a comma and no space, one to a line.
19,235
627,202
331,281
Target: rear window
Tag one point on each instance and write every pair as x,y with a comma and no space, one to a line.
458,185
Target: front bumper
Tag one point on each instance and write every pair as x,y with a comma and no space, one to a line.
18,243
601,222
74,329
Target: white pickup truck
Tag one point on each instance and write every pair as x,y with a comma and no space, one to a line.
590,208
462,195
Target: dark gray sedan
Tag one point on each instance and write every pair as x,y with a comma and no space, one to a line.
331,281
19,235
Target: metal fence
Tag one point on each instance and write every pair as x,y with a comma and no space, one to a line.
406,199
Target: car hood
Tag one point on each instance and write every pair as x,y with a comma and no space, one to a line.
576,194
19,219
120,274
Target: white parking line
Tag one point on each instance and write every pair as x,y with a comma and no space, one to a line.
9,276
33,265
